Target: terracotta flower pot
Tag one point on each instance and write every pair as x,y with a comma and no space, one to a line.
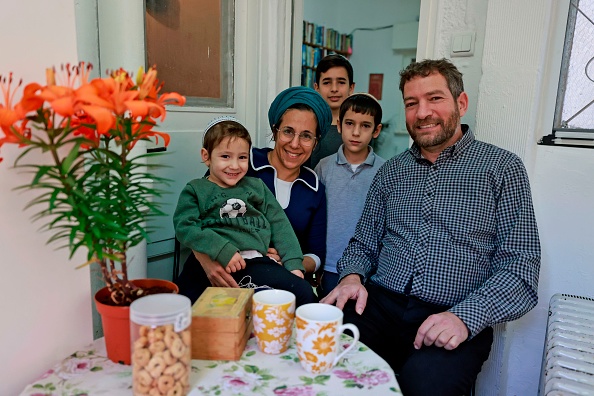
116,321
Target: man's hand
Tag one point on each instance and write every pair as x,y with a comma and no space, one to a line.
298,273
237,263
216,274
350,287
442,330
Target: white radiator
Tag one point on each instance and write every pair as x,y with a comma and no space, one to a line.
568,358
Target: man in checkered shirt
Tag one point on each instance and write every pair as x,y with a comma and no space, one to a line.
447,244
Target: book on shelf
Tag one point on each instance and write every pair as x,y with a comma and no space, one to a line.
308,77
327,38
319,41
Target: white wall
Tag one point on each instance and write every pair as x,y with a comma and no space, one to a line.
513,80
372,53
46,303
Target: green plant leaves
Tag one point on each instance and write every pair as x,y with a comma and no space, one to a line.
98,197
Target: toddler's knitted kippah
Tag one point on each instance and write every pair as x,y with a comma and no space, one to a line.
216,120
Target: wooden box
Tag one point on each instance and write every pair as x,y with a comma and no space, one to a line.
221,323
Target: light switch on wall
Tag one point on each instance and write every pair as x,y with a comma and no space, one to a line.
462,44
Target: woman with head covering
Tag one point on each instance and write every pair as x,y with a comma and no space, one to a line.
299,117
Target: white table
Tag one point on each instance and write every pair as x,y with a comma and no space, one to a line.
90,372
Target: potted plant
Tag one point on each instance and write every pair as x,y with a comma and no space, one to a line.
93,188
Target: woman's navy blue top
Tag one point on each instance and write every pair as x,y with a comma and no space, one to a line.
307,204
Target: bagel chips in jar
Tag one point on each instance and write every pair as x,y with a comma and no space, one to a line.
161,342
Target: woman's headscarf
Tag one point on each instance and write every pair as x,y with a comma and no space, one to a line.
305,95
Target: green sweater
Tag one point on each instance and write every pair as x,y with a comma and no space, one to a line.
222,221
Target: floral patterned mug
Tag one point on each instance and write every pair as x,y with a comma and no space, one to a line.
318,336
273,313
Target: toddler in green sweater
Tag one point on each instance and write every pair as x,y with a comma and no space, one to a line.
233,218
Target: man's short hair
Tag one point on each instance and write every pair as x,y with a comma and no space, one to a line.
334,60
429,66
362,103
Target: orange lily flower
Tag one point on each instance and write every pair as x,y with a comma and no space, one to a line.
12,122
149,88
63,98
142,109
91,94
144,131
8,115
90,108
104,118
115,93
30,101
172,98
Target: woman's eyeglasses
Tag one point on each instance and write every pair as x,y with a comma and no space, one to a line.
287,135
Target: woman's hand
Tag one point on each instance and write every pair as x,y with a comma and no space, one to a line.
237,263
297,273
273,254
216,274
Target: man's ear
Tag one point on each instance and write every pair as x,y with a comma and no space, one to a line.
316,87
462,103
205,156
377,131
339,126
352,89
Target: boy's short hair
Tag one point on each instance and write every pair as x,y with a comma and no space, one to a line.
333,60
362,103
218,131
428,66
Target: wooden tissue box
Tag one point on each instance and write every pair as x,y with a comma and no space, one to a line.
221,323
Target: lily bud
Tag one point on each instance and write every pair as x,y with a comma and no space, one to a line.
139,75
50,76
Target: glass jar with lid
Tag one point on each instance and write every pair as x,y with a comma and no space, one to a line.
160,336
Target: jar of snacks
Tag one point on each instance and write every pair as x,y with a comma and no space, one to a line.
160,336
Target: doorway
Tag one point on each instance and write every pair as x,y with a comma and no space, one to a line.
383,42
111,34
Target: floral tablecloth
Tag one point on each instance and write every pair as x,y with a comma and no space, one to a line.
89,372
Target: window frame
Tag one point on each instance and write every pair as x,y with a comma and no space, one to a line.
565,136
227,49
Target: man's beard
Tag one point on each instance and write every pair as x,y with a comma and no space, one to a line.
448,129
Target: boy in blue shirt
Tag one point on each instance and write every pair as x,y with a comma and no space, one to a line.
347,176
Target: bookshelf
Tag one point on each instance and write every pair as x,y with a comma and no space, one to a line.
319,41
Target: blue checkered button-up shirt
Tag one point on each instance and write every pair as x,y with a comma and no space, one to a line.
460,232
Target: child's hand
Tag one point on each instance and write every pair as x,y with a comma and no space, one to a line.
273,254
237,263
297,273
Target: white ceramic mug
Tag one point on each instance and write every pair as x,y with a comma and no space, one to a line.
273,313
319,327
